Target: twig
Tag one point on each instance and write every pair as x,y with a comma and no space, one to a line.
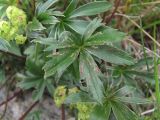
14,55
146,33
10,98
142,4
148,111
139,45
7,96
63,112
107,20
65,4
28,111
6,104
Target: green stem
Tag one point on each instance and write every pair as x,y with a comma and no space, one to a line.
144,50
156,71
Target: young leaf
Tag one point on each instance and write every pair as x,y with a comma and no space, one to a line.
91,8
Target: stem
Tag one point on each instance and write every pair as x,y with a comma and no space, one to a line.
143,45
117,3
28,111
63,112
65,4
14,55
156,70
146,33
10,98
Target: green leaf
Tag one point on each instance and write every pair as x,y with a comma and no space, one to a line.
126,90
122,112
35,25
133,100
35,67
4,44
38,93
45,18
143,75
14,48
70,7
91,8
60,62
108,35
101,112
64,41
29,82
111,54
93,25
78,97
46,5
88,70
78,26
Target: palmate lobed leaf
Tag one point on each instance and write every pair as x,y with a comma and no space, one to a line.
111,54
71,7
78,26
88,70
35,25
78,97
91,8
60,62
46,18
109,35
91,28
53,44
101,112
46,5
122,112
133,100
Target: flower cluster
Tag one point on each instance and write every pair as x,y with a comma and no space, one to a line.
84,110
14,27
61,93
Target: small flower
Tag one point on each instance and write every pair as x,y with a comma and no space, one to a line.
16,16
20,39
4,29
60,95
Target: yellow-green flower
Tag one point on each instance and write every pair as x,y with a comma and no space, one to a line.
16,16
60,95
84,110
4,29
20,39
